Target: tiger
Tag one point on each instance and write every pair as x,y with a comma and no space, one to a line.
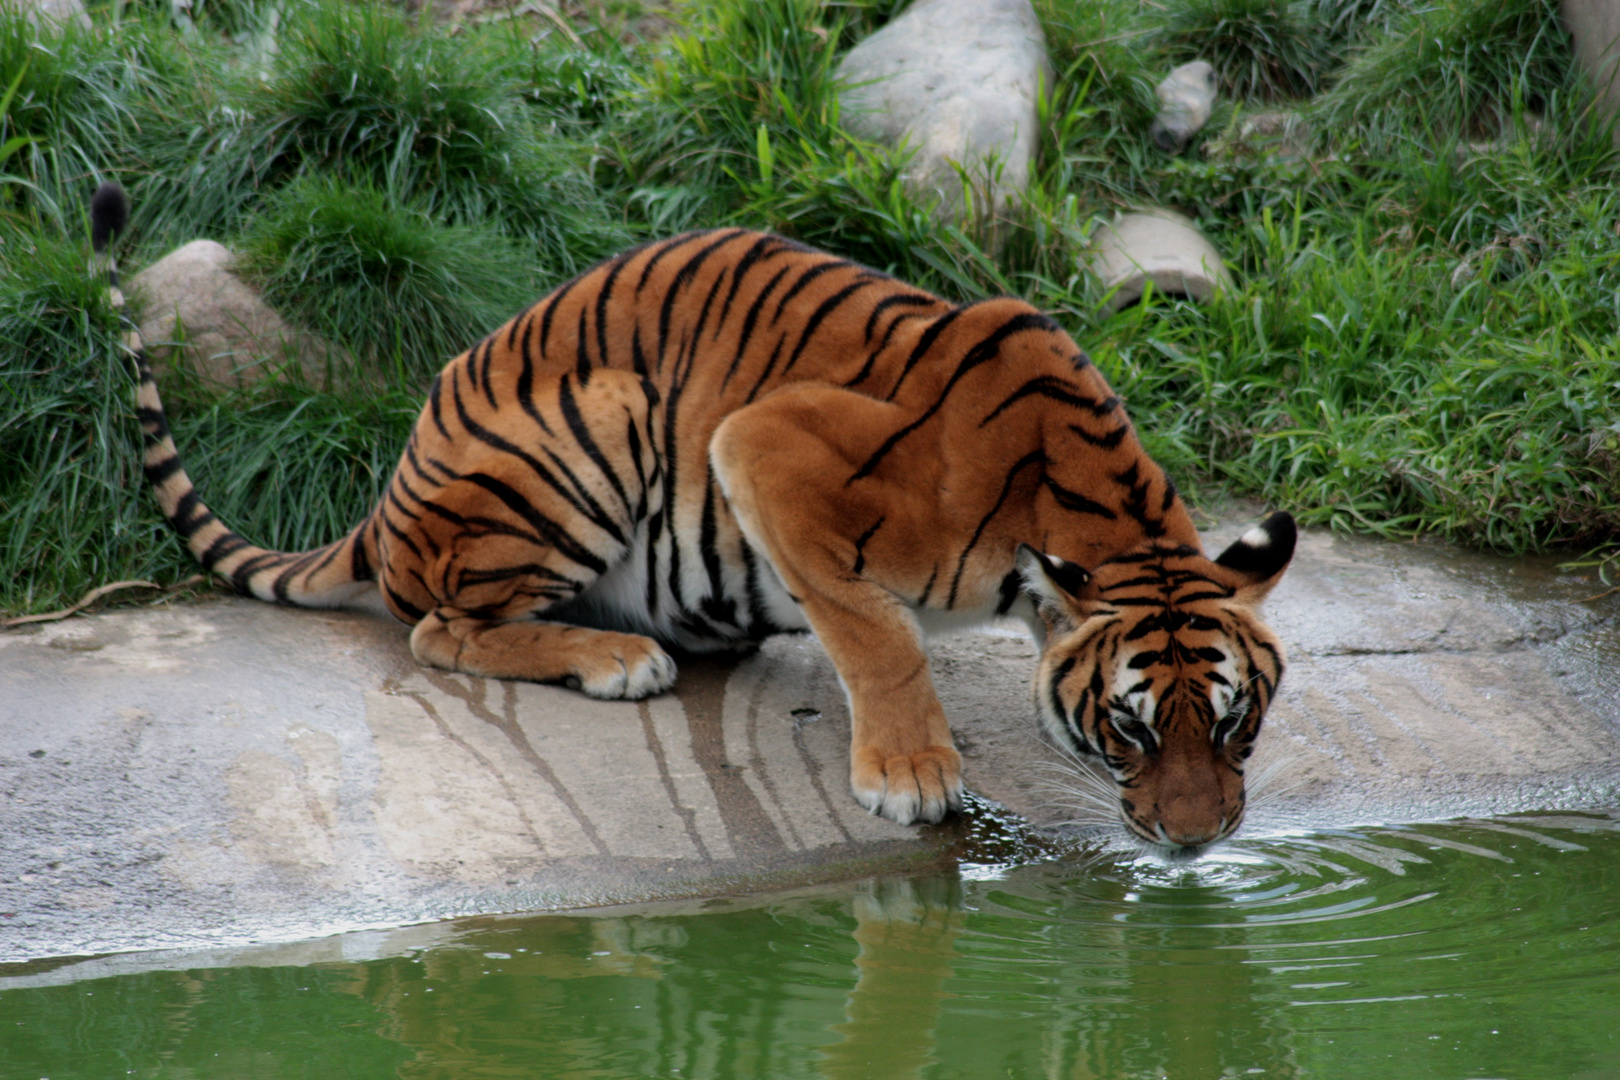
714,438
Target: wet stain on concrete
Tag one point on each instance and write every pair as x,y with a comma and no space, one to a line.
702,693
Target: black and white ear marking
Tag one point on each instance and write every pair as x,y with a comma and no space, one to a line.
1043,574
1265,550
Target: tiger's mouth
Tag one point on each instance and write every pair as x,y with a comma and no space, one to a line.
1183,833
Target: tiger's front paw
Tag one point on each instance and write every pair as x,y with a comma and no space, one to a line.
622,666
907,787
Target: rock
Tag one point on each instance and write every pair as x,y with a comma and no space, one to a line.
56,14
1160,246
1186,97
191,297
957,80
1595,26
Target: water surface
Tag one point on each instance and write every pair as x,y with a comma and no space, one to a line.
1472,949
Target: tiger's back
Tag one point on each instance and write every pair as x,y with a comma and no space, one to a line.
709,323
706,323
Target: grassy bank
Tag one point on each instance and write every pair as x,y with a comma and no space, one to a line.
1422,341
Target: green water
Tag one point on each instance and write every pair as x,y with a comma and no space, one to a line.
1488,949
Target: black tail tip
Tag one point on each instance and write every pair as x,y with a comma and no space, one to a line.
109,213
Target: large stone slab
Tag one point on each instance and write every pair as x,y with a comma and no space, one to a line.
958,81
230,772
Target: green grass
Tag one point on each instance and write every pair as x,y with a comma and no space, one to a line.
394,289
1422,339
1260,48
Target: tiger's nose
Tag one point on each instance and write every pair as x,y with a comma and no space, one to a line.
1189,838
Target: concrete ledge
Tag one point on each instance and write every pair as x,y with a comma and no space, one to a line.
230,772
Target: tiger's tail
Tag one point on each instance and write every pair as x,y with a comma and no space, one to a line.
325,577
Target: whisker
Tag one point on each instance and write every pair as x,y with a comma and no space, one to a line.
1265,778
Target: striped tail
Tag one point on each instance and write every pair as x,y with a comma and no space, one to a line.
325,577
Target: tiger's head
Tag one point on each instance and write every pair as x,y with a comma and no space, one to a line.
1157,662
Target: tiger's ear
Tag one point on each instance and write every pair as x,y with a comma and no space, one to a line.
1258,558
1060,589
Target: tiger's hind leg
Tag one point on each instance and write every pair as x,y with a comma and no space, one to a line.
493,526
602,663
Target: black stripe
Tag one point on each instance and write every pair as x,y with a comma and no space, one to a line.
525,385
760,623
683,277
871,358
359,562
689,354
924,343
1076,503
668,247
219,549
582,496
770,366
805,279
553,533
582,435
1010,588
1136,502
416,614
756,253
242,576
158,473
632,439
551,312
582,356
1109,441
153,422
489,351
584,503
400,535
717,605
825,308
604,293
906,299
638,358
279,588
331,552
182,519
1035,457
984,350
521,318
655,528
485,576
929,587
860,545
748,323
1056,389
434,406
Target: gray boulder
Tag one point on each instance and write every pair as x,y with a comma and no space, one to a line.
1159,246
957,80
1186,98
53,14
192,300
1595,27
